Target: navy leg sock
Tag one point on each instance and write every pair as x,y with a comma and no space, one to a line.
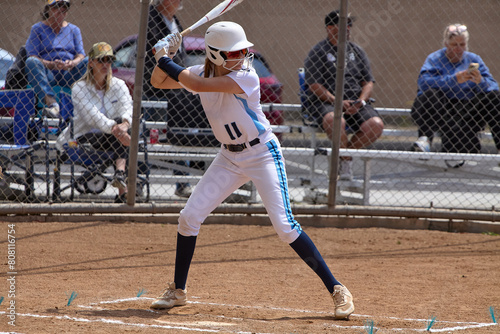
308,252
183,256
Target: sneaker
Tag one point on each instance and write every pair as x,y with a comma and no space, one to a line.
422,144
52,111
119,180
170,297
345,170
342,299
454,163
184,191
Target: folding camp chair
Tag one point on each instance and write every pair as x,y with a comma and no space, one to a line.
19,146
92,177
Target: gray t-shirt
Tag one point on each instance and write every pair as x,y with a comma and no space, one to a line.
321,67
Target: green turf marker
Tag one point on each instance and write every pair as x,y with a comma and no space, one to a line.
370,327
71,297
430,322
492,313
1,300
141,292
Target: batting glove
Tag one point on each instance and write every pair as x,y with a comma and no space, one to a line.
174,43
160,48
168,45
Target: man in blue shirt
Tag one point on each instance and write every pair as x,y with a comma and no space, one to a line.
457,96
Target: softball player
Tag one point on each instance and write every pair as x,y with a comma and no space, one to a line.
229,90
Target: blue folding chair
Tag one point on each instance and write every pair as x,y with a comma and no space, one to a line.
20,147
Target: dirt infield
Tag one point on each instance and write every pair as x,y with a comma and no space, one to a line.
244,280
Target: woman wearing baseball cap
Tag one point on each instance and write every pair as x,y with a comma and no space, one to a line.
55,54
102,113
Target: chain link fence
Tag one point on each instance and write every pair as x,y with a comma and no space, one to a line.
413,160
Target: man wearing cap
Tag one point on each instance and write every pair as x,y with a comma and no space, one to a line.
102,113
359,117
55,54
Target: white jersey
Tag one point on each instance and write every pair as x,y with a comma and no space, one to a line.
236,118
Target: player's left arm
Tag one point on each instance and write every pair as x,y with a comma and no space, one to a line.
160,79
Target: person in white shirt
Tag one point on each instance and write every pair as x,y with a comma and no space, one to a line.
230,94
102,113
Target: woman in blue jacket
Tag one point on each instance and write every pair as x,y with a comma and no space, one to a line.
457,96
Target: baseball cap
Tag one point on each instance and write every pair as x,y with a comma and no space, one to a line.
101,49
58,3
333,18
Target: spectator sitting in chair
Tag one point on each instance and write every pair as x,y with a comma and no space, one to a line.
320,75
457,96
55,54
102,113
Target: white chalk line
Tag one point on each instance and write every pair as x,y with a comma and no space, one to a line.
113,322
465,325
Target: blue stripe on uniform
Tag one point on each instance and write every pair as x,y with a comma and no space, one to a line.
260,127
280,169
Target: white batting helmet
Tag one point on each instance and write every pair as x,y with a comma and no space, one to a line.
224,36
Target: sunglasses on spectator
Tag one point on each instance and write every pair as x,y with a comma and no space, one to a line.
105,60
457,29
235,54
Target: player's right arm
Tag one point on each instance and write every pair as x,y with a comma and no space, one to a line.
175,76
192,81
196,83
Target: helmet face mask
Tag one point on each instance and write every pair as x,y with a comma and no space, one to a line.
225,36
236,60
216,56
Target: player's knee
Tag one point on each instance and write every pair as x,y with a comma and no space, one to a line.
189,224
289,236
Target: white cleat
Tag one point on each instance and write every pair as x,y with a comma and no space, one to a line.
170,297
342,299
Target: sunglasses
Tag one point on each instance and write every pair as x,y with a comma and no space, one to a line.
457,29
105,60
235,54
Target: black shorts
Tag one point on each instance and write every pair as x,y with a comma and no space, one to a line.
105,142
353,122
